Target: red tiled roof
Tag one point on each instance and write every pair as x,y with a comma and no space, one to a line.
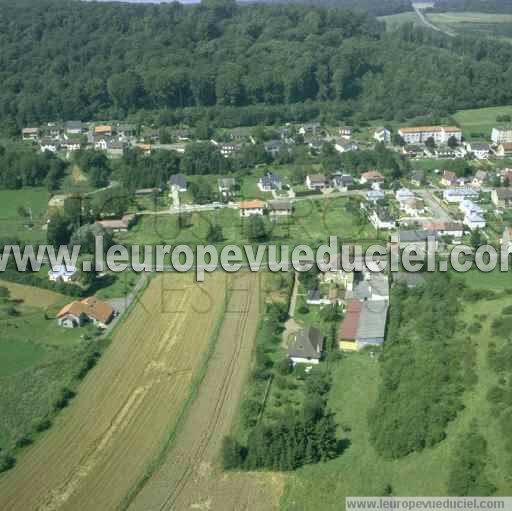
348,329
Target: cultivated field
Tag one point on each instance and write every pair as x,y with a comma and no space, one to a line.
189,476
128,406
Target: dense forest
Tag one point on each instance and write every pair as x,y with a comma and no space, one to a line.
232,64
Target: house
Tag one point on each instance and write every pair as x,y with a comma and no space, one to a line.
504,150
226,185
364,325
409,279
345,131
502,197
178,182
505,240
467,206
49,144
474,220
480,151
445,152
452,229
381,218
345,147
103,130
73,128
238,134
273,147
342,181
126,131
418,239
382,135
402,195
307,346
72,144
456,195
312,128
502,135
115,149
143,192
118,225
229,149
62,273
418,177
373,286
101,143
372,176
449,178
374,196
316,182
270,182
316,145
251,207
145,149
91,309
480,178
31,134
279,207
440,134
414,207
413,151
316,297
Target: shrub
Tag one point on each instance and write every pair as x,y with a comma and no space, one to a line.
6,462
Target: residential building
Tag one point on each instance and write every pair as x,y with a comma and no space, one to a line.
372,176
453,229
49,144
312,128
279,208
316,182
178,182
480,151
145,149
31,134
414,207
73,128
381,218
417,239
372,286
101,143
420,134
364,325
402,195
226,185
418,177
480,178
456,195
342,181
62,273
251,207
345,131
502,135
229,149
345,147
144,192
118,225
103,130
91,309
502,197
413,151
274,147
474,220
382,135
317,297
115,149
374,196
270,182
72,144
449,178
307,346
504,150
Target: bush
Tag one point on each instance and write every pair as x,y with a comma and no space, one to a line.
507,310
24,441
233,453
43,425
303,309
6,462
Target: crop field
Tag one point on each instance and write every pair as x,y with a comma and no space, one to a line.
478,123
189,476
128,408
13,224
476,23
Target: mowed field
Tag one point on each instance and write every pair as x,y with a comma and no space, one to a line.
127,407
189,476
478,123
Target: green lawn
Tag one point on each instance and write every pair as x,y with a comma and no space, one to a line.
360,471
12,224
496,279
16,356
477,123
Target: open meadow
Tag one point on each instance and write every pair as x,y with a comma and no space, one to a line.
477,123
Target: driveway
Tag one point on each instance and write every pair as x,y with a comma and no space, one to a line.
438,211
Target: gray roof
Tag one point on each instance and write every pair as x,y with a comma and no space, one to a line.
416,236
178,180
308,343
372,321
377,285
280,205
73,125
226,182
410,279
504,193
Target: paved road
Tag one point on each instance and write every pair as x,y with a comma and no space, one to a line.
429,24
438,211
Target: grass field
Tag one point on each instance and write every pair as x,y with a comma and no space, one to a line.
476,23
37,359
477,123
12,224
360,471
394,21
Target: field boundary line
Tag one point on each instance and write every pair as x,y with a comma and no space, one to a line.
154,465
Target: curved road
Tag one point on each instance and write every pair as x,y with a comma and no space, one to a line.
428,24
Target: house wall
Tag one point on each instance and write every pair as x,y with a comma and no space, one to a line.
346,345
300,360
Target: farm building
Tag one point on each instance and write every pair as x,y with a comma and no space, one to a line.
90,309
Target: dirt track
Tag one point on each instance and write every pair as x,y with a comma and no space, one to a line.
190,477
99,447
